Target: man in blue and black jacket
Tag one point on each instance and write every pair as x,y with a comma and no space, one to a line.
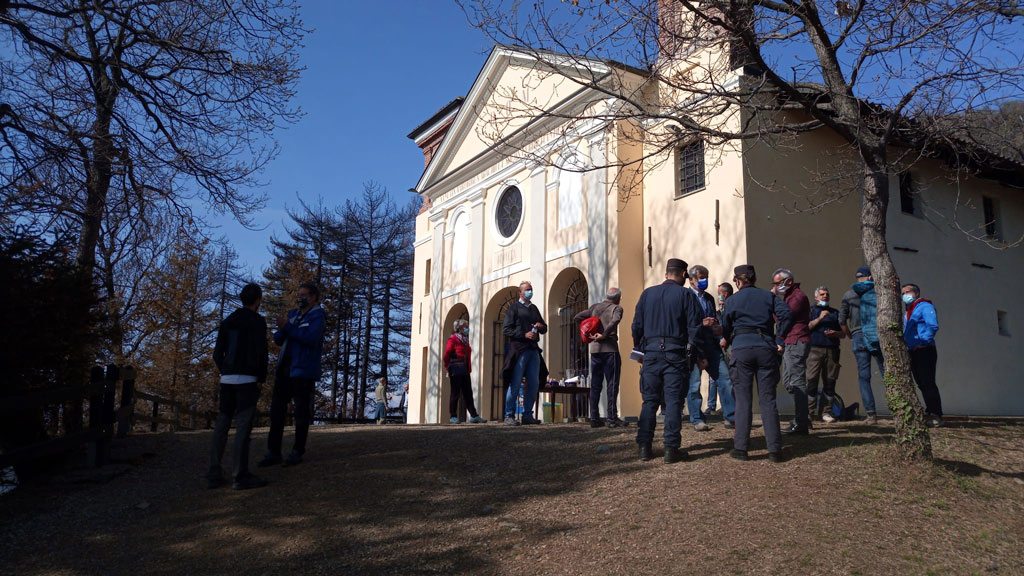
300,333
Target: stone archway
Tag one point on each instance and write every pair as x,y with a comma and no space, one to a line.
567,355
495,346
456,312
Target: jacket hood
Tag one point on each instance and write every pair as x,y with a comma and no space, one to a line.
862,288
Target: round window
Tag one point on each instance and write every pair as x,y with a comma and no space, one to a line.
509,211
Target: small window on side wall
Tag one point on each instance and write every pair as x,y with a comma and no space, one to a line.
426,277
690,162
1003,322
908,195
990,209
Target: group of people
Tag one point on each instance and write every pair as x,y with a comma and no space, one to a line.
679,332
241,356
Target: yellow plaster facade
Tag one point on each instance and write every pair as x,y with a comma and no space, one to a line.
624,223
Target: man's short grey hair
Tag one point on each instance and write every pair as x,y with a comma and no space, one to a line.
820,288
460,324
525,283
698,269
613,293
786,273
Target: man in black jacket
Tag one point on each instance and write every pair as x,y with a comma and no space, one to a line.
523,325
241,358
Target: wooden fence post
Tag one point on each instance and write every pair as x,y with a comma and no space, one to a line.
126,413
95,413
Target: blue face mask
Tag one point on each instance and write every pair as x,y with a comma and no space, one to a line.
908,299
702,284
528,295
823,303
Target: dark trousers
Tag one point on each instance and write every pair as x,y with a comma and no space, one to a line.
922,364
744,365
461,387
286,389
664,379
237,401
604,366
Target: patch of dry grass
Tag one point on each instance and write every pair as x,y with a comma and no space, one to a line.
544,500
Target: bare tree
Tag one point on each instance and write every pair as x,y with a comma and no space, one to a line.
896,80
169,101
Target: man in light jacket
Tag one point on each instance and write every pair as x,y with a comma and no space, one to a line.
605,360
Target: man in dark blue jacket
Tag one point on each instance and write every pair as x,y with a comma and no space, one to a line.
300,334
748,325
241,358
665,329
716,366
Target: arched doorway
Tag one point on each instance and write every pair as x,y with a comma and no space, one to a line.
458,311
570,295
496,344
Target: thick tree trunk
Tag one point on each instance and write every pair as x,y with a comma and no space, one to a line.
912,436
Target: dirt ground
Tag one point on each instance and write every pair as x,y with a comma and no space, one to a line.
552,499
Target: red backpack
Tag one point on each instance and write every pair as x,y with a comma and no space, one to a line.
590,327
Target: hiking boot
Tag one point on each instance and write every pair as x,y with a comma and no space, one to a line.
796,429
674,454
511,421
293,459
729,425
776,457
530,421
597,423
645,452
477,420
739,455
827,418
933,421
248,482
453,420
871,419
270,460
701,427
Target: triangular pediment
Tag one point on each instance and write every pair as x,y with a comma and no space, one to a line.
512,91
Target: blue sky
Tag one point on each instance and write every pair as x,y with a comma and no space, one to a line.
374,71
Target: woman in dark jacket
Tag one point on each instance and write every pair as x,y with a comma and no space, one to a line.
457,362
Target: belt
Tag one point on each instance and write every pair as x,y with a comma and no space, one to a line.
748,330
663,342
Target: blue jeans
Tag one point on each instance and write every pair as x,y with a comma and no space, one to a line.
718,372
864,356
528,365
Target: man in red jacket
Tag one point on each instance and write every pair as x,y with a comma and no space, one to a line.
795,346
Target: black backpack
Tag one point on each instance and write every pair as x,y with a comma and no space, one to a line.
841,412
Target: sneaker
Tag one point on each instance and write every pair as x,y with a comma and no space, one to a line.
248,482
933,421
293,459
827,418
477,420
511,421
615,423
453,421
796,430
530,420
739,455
701,427
871,419
729,425
597,423
270,460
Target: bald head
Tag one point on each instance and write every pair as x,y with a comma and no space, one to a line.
613,294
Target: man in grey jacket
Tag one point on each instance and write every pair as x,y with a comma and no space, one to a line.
605,361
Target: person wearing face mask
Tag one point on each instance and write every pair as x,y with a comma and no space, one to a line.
795,346
710,334
919,333
823,360
725,290
857,316
300,334
524,326
458,364
605,360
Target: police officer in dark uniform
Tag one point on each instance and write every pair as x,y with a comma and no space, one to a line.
747,325
665,329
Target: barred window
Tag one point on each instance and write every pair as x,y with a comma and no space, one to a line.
691,168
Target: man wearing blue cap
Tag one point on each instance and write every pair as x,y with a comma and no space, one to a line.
857,316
